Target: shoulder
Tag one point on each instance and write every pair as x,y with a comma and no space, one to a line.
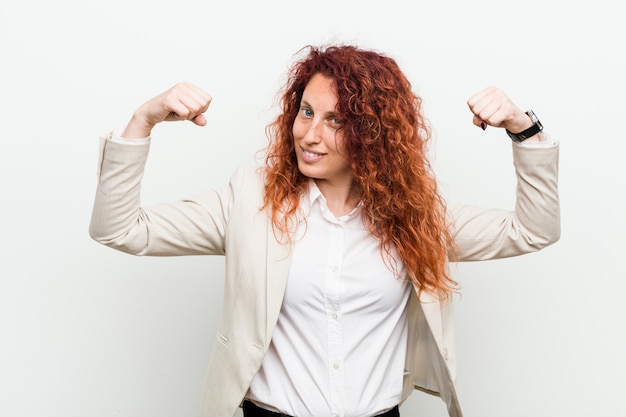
248,175
248,182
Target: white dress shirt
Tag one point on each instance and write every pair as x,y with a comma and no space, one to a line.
339,346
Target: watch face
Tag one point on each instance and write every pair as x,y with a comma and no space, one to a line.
532,116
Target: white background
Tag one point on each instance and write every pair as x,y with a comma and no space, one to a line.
87,331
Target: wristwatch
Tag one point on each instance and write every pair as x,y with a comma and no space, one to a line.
531,131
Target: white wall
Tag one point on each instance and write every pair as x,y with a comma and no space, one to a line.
86,331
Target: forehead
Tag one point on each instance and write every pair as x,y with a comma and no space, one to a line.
320,89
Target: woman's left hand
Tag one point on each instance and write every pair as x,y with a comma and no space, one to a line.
492,107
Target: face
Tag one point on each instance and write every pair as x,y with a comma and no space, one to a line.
318,143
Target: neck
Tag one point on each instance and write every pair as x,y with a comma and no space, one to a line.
341,199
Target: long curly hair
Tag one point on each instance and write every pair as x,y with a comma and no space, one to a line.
385,136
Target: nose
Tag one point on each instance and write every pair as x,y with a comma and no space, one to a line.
313,133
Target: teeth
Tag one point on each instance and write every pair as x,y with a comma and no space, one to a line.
311,154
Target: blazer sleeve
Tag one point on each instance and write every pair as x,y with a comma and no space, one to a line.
192,226
481,234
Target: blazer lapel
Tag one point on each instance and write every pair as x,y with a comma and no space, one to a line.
432,312
277,271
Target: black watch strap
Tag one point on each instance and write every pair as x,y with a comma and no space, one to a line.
531,131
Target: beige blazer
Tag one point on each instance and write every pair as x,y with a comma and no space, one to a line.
228,222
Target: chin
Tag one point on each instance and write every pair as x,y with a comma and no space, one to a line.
308,172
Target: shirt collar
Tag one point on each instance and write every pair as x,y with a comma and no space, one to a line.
313,195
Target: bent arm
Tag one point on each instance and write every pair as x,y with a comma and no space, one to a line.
482,234
187,227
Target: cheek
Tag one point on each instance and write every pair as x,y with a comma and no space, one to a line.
339,144
297,130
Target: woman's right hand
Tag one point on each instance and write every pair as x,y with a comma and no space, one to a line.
184,101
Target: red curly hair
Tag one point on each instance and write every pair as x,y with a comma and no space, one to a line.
385,138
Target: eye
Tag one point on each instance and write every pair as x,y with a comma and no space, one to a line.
335,121
306,112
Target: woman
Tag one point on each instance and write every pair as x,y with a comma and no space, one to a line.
337,297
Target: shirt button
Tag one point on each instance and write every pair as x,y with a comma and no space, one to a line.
334,316
336,365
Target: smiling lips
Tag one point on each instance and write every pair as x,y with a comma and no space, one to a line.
309,156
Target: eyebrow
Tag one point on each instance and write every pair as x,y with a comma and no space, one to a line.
303,102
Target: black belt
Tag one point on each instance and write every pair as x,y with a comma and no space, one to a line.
250,409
